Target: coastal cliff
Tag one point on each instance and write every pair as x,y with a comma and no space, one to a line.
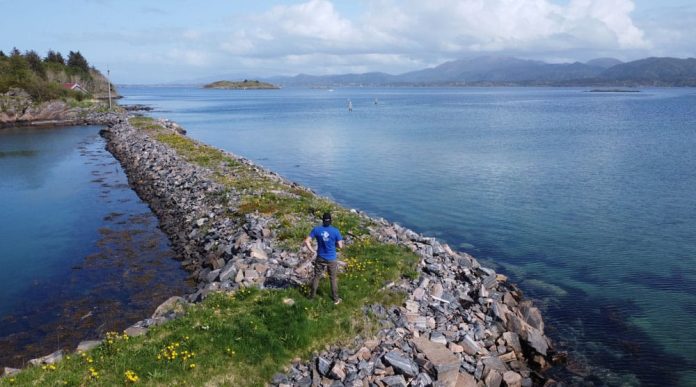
415,312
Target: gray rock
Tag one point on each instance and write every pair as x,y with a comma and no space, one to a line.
173,306
213,275
436,290
87,345
438,249
489,281
323,366
443,360
532,316
513,340
367,366
135,331
280,379
239,277
53,358
438,337
250,274
422,380
466,380
258,253
537,340
493,363
227,272
9,371
418,294
470,345
412,306
394,381
493,379
512,379
305,381
401,364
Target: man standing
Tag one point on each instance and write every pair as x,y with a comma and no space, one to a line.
328,238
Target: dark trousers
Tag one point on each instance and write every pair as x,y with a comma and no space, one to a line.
320,264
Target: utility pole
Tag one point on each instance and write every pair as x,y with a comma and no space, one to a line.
108,78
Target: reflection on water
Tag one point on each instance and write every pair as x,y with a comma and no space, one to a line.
586,200
81,254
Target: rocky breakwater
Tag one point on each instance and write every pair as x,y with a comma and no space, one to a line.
18,109
461,324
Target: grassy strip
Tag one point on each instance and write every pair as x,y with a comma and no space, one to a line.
245,338
240,339
295,209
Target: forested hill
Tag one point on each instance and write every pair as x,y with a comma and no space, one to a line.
45,78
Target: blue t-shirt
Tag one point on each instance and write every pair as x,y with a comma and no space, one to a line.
326,237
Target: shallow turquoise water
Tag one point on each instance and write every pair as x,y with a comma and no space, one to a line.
585,199
80,253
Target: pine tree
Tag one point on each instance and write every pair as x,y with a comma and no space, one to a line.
76,60
54,57
19,73
35,63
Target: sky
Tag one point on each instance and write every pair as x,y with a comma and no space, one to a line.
149,42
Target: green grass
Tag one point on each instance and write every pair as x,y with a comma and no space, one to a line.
245,338
240,339
295,209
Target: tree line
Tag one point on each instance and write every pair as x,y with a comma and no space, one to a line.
41,77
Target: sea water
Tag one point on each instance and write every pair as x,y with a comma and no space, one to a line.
81,255
586,200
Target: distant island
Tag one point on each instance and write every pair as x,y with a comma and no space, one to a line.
240,85
613,91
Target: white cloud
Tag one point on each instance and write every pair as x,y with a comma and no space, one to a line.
315,19
188,56
395,36
671,30
432,30
614,15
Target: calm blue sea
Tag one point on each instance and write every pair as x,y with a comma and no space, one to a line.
586,200
80,253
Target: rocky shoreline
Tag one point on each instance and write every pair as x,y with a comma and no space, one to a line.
462,324
18,109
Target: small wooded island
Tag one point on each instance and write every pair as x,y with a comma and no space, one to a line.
243,85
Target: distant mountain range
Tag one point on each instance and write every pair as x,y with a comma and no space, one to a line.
510,71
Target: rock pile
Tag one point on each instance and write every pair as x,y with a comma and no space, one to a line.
220,250
463,324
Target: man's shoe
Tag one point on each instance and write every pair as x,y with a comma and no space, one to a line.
336,302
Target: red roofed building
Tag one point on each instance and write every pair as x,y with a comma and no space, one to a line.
74,86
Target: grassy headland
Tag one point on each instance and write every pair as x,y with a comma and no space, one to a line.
240,85
43,78
243,338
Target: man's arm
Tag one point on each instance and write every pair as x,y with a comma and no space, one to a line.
308,243
340,244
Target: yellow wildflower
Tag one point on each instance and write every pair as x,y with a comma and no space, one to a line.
131,377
